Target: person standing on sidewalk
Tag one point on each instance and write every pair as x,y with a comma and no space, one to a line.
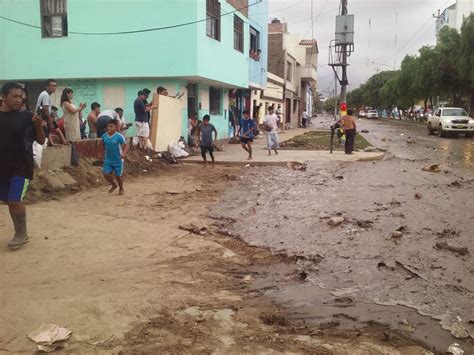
350,130
18,131
205,139
270,126
246,131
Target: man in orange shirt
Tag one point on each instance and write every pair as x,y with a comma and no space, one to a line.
350,129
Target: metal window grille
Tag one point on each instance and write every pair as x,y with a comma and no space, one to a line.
214,101
254,39
238,33
53,18
213,23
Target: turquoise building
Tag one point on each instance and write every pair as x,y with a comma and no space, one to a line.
202,51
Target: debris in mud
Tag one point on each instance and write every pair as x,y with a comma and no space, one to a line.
247,279
335,221
411,141
338,177
397,234
194,227
364,131
406,326
410,270
296,166
432,168
366,224
274,319
50,337
455,183
370,149
458,331
455,349
324,215
418,196
459,250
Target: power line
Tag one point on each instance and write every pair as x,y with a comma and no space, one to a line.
133,31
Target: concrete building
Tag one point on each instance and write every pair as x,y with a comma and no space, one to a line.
454,15
295,61
82,44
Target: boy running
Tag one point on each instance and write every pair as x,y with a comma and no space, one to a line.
115,149
18,130
246,131
205,138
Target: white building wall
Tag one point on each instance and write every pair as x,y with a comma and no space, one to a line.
463,9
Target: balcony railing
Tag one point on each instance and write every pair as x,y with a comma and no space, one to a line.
308,73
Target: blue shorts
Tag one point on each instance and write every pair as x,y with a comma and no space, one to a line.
13,189
116,168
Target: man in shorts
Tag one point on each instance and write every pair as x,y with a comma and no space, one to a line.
18,131
141,119
271,131
92,118
246,131
205,139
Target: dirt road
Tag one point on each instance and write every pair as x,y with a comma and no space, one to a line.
121,275
388,260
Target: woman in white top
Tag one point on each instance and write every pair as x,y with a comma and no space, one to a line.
72,126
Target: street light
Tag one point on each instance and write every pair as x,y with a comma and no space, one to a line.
386,65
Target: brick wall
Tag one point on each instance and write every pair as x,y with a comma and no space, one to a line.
277,27
276,60
239,4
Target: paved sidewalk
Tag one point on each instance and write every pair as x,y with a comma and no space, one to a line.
234,154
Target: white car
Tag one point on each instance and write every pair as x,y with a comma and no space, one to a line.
452,120
372,114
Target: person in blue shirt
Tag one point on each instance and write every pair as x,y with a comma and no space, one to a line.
246,131
115,149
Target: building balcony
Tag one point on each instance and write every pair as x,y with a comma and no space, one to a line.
308,73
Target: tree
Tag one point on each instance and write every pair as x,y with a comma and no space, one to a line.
466,57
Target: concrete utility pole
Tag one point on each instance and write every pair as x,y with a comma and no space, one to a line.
344,81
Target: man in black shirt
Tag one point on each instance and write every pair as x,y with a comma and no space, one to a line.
18,131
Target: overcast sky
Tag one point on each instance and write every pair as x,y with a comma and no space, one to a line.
385,31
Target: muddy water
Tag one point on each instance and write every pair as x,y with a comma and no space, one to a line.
391,277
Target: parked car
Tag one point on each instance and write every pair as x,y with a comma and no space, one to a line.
450,120
362,114
372,114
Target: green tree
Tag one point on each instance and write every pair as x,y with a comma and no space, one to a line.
466,57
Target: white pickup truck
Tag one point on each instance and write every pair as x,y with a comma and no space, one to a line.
450,120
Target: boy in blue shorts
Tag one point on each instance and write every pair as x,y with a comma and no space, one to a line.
246,131
115,149
18,131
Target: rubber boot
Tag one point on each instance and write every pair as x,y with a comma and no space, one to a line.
21,237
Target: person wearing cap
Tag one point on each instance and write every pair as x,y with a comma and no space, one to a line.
141,118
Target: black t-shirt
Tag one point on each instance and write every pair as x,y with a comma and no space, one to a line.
17,134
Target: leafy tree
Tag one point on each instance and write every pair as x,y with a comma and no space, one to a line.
466,57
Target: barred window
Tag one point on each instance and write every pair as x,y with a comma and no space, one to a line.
215,101
238,33
53,18
213,23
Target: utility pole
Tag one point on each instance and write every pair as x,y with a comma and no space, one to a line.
344,80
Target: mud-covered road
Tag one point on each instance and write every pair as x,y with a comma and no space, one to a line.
362,270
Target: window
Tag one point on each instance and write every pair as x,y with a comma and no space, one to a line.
214,101
213,23
289,71
53,18
238,34
254,39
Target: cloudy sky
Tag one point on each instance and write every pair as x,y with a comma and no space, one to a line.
385,31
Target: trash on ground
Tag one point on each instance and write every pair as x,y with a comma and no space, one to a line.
50,337
432,168
247,279
458,331
335,221
338,177
370,149
444,245
455,349
418,196
397,234
177,150
364,131
195,227
296,166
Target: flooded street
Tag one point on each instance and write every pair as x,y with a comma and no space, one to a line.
402,257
